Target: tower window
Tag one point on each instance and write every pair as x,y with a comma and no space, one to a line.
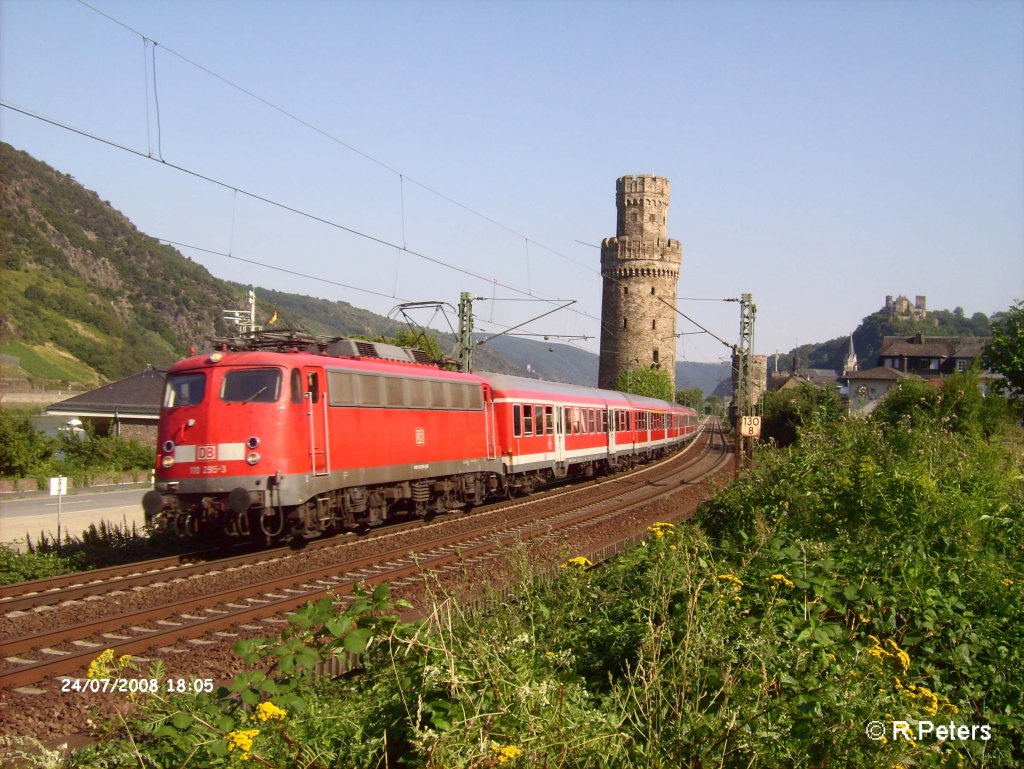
655,355
624,322
652,217
652,290
654,325
636,217
625,290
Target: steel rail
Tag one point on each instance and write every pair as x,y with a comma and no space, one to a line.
391,565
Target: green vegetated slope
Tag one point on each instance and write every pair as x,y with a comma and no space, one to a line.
867,583
77,277
868,336
86,298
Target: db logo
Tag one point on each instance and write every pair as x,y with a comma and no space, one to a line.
206,453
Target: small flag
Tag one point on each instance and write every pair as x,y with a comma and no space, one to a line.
273,318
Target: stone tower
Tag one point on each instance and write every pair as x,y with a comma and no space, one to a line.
640,267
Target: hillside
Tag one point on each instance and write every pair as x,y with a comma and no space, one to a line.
85,297
867,337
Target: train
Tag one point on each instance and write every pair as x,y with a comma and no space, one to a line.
287,436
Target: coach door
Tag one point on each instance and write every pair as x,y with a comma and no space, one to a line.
610,424
316,420
489,422
561,424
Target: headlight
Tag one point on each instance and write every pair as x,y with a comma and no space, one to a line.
252,458
168,447
253,442
167,461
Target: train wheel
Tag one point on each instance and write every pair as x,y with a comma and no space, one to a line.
186,525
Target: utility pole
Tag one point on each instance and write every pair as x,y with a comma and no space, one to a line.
747,423
464,352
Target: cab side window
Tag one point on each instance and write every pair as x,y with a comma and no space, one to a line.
296,385
313,386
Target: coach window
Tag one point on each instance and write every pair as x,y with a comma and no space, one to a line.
251,385
517,420
527,420
538,419
549,420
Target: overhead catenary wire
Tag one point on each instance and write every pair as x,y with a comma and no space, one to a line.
331,137
276,203
318,278
402,177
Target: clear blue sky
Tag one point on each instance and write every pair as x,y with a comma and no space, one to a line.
822,154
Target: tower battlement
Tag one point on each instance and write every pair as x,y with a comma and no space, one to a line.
643,184
625,247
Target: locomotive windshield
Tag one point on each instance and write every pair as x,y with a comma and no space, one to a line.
251,385
184,390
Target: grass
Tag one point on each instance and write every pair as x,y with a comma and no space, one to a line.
866,575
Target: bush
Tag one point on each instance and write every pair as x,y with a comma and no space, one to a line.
865,574
23,448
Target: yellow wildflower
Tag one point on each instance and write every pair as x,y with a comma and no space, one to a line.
241,740
506,752
894,652
1006,582
580,561
267,711
661,529
735,581
901,656
781,578
100,667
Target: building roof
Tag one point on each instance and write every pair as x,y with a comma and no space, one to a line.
818,377
920,346
880,372
136,396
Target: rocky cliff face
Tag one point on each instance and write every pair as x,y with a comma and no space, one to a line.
77,276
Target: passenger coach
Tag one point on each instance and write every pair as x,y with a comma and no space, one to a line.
547,429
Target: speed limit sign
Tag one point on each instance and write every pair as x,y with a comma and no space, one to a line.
750,427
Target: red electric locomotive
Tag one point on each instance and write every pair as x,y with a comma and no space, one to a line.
289,436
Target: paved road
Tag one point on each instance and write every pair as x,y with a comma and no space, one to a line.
32,515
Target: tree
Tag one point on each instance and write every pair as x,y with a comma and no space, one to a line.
785,412
715,405
652,382
417,340
1005,353
692,397
23,448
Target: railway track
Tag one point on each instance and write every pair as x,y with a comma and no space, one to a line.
458,543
